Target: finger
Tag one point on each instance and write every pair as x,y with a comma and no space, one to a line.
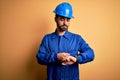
66,54
67,59
68,63
63,59
64,63
73,59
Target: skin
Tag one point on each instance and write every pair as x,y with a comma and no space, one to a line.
62,25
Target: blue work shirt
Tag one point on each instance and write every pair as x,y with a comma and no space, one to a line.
71,43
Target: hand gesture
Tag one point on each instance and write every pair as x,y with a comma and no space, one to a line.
66,59
69,60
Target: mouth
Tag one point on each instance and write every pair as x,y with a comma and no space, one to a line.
64,26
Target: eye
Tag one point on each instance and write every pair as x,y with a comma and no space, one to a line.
68,20
62,19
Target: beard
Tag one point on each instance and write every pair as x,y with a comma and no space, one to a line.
62,28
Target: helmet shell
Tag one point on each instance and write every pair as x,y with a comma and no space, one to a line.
64,9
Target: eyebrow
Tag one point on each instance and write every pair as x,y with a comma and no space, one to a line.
64,17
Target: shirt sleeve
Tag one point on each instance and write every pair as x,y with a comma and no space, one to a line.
44,55
86,53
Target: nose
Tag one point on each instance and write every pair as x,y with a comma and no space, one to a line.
65,21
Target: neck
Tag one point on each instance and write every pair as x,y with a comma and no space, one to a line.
60,33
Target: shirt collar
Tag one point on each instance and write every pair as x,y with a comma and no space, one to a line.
66,35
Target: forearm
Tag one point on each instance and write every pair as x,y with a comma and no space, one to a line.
46,58
85,57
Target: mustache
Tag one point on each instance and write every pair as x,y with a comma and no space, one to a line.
65,25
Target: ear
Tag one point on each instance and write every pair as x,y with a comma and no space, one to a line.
55,19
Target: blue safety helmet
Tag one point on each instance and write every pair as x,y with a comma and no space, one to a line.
64,9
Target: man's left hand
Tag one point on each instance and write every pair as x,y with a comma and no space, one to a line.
69,60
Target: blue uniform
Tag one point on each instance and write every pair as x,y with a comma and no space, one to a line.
70,43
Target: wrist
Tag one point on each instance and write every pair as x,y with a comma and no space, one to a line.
76,58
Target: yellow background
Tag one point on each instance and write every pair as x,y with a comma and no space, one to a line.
23,23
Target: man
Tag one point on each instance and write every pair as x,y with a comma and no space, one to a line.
62,50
